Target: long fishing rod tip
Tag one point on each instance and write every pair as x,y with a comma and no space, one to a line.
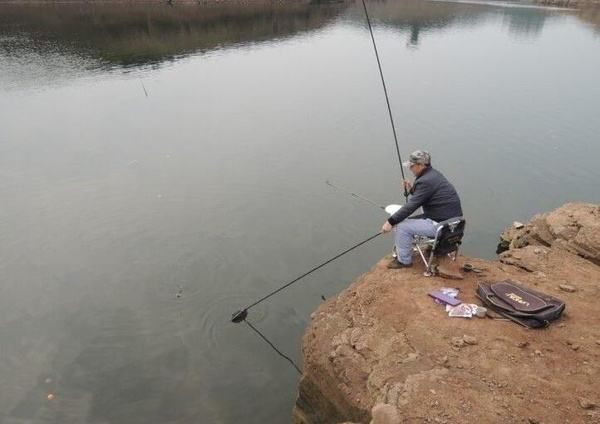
239,316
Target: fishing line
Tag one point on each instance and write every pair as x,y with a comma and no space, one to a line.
389,209
358,196
262,336
241,315
386,96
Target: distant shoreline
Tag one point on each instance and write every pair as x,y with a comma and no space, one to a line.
187,2
578,4
173,2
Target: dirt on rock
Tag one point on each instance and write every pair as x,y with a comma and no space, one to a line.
384,345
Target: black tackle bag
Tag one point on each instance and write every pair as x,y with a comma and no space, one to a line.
519,303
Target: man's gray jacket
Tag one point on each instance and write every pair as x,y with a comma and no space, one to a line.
433,192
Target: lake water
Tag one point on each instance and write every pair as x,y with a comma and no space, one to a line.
162,167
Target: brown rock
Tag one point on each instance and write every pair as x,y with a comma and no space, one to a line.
568,288
494,315
470,340
384,414
457,342
586,403
524,258
574,227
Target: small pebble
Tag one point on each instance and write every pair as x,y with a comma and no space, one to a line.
470,340
457,342
492,314
518,225
523,344
586,403
538,352
568,288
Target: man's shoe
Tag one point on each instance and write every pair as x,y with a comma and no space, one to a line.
396,264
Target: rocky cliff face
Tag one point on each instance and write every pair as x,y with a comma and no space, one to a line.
574,227
383,352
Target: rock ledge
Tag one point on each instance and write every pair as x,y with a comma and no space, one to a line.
383,352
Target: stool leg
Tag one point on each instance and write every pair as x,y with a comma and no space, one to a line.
455,254
429,269
421,254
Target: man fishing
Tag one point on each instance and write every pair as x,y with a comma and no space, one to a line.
431,191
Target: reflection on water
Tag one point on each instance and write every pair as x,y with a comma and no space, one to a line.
134,34
134,224
591,16
42,44
54,42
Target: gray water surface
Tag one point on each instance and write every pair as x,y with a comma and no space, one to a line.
162,167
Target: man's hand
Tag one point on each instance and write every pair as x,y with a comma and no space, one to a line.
386,228
407,184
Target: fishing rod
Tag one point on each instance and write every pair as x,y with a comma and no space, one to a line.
358,196
387,99
242,314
